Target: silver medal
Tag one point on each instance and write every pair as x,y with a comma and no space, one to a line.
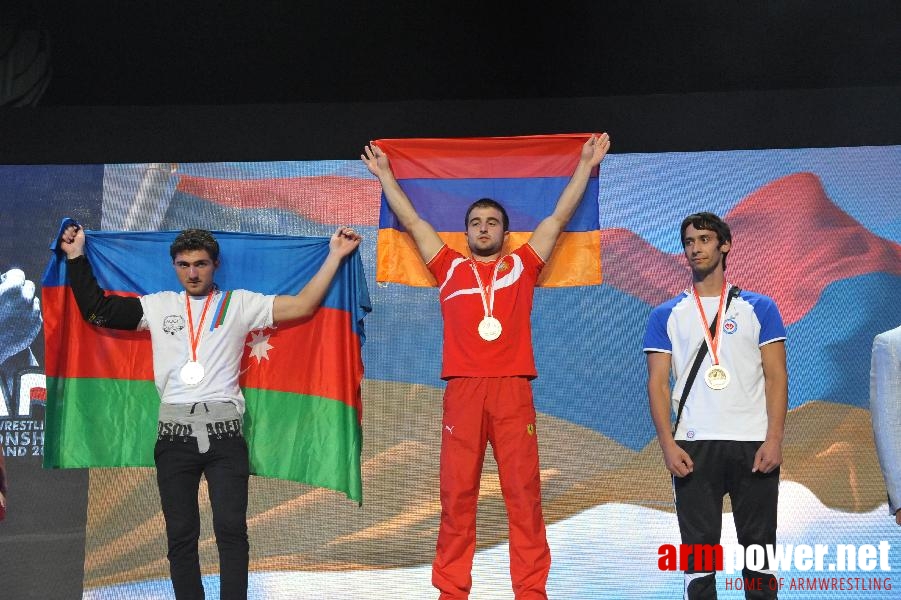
192,373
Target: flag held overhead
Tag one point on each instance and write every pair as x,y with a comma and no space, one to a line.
526,174
301,380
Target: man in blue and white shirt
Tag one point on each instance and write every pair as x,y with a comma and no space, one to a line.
728,438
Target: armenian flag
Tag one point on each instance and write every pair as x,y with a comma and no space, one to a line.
525,174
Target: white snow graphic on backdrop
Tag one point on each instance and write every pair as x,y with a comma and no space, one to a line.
609,551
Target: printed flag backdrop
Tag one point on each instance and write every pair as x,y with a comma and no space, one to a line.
819,230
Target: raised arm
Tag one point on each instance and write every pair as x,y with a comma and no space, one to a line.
287,308
424,235
775,377
675,458
96,306
545,235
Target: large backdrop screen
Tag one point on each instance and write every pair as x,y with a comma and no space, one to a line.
819,230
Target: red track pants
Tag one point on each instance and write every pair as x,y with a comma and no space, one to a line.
478,410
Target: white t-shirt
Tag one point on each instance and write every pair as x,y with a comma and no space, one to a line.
737,412
229,318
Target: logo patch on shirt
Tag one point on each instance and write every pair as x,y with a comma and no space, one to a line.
690,434
173,324
730,326
530,429
504,266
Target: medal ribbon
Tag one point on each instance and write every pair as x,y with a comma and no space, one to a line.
487,303
712,342
192,336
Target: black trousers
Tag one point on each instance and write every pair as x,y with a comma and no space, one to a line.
724,467
179,466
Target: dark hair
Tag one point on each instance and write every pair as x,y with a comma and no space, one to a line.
195,239
487,203
709,222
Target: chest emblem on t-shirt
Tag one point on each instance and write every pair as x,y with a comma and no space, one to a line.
730,326
504,266
514,269
173,324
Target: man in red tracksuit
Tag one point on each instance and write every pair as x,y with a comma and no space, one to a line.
486,302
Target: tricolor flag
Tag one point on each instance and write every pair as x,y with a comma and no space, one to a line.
442,177
301,380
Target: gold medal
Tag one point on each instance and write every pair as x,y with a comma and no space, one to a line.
490,329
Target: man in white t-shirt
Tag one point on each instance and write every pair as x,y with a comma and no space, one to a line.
728,434
197,337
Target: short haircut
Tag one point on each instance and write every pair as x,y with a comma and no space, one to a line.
195,239
487,203
710,222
